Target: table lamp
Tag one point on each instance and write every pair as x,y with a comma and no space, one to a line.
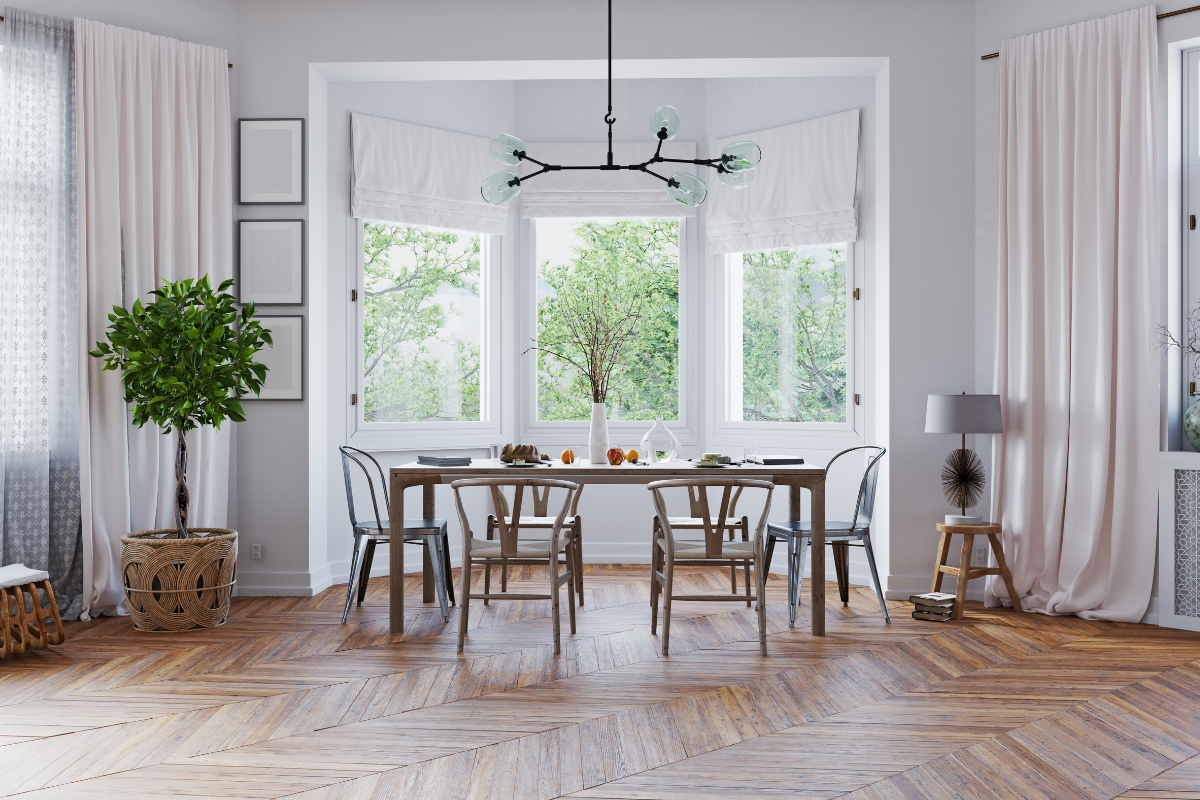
962,474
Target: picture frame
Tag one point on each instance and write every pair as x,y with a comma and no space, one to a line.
284,359
271,161
271,262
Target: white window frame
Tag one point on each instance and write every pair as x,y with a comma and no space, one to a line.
1190,249
421,435
725,344
620,432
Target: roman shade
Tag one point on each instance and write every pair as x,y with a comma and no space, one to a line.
596,193
806,190
415,175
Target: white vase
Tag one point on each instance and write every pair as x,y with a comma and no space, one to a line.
598,437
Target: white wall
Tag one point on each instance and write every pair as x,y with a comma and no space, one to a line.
926,313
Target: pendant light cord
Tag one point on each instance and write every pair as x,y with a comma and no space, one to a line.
609,118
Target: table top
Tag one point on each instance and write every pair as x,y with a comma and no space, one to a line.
626,473
982,528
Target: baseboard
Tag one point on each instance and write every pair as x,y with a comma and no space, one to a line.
281,584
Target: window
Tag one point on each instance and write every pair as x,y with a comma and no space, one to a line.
422,325
789,348
628,268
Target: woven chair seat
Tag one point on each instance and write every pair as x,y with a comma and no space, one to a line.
526,548
689,523
685,550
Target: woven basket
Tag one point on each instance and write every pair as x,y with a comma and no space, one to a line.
179,584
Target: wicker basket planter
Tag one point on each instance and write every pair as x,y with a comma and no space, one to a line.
179,584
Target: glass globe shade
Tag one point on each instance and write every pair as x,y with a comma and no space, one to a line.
738,180
496,189
689,190
504,146
737,156
665,117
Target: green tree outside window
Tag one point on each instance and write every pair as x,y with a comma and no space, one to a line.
421,325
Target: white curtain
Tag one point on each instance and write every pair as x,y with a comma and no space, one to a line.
805,190
156,200
39,434
595,193
416,175
1077,294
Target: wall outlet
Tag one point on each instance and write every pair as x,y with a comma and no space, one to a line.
980,557
256,551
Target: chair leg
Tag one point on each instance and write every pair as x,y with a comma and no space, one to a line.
554,611
655,588
746,575
447,569
761,586
353,584
434,544
770,547
570,584
466,603
579,558
668,587
487,581
801,553
365,572
875,575
792,579
841,564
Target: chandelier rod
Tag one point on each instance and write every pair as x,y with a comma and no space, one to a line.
609,118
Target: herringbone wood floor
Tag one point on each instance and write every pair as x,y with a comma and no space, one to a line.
283,701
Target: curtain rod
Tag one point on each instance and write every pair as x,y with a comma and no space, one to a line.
1160,16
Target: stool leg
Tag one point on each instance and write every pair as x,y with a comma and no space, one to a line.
940,561
998,550
964,570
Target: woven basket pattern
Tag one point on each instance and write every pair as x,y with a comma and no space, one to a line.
179,584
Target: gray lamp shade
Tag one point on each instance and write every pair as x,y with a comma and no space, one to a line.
963,413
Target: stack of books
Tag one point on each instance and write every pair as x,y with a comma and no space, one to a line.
935,606
444,461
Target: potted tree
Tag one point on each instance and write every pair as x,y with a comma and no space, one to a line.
185,360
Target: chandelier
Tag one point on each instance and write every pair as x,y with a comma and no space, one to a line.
735,166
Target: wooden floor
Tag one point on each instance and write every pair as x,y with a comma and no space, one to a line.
283,701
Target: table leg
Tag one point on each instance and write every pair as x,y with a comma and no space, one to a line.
396,559
817,584
940,561
964,575
427,579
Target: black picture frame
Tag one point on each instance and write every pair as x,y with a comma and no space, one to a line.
243,224
266,321
263,198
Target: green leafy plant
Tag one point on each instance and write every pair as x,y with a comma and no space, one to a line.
185,360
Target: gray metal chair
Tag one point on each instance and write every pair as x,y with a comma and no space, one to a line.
841,535
432,533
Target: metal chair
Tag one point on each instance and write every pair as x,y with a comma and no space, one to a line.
841,535
511,549
542,521
432,533
667,551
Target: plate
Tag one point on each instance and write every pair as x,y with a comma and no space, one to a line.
709,466
522,466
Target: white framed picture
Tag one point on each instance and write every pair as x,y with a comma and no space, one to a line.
271,161
271,262
284,360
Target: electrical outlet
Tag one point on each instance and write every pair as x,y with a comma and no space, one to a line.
980,556
256,551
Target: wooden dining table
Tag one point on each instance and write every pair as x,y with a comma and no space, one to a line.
795,478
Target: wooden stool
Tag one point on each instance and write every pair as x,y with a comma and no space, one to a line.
24,631
966,572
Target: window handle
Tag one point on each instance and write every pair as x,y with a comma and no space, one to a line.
1191,222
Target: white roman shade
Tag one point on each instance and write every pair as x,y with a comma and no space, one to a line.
805,191
416,175
597,193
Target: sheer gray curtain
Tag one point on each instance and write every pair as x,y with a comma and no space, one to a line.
39,398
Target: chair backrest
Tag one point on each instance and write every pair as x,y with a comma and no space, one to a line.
695,507
509,533
864,506
714,530
354,454
540,503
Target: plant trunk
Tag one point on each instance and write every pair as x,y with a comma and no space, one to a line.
181,490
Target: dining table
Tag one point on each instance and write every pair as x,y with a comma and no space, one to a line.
795,477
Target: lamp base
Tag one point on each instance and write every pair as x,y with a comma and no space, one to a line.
959,519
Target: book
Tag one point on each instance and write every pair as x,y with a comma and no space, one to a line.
444,461
770,461
933,609
933,617
933,599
